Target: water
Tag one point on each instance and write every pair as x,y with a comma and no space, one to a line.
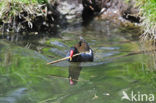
118,66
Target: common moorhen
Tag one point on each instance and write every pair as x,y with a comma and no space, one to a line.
81,46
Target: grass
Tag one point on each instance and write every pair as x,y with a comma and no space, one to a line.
148,14
29,1
20,14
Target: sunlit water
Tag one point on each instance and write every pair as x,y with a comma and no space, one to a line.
118,66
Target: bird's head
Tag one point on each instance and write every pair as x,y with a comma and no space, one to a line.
73,51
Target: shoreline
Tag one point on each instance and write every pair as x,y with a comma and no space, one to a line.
49,16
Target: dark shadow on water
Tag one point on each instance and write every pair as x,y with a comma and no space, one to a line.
28,40
87,16
14,37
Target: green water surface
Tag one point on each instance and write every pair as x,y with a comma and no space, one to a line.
118,66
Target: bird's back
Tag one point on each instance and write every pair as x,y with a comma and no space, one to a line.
82,46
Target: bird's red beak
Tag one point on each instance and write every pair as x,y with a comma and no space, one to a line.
71,54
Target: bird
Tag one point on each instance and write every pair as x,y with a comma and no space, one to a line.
83,48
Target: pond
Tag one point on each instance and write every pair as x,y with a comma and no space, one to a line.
119,67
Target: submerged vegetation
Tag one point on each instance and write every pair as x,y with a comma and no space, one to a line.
27,69
25,78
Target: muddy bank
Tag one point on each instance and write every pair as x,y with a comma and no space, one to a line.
22,17
122,10
53,15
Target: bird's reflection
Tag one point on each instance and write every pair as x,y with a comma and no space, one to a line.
74,72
